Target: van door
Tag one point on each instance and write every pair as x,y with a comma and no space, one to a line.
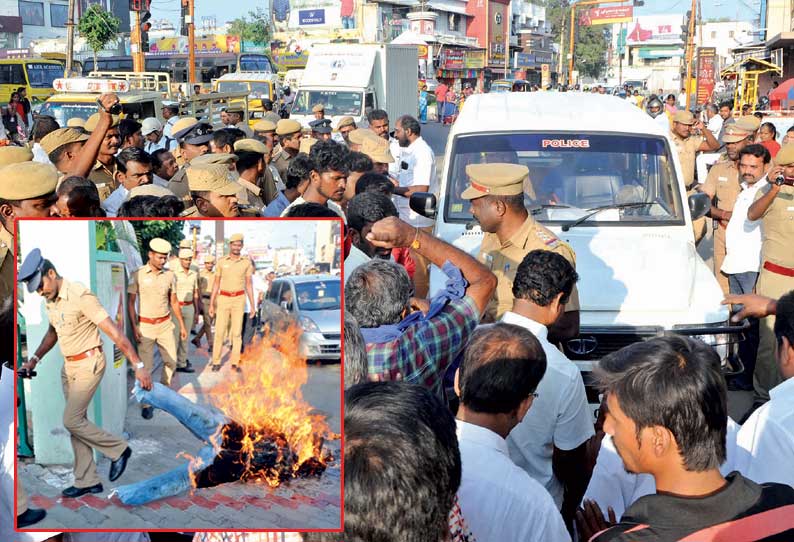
370,103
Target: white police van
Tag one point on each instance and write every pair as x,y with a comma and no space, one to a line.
607,180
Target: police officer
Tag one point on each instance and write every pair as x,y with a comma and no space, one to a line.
76,317
103,174
289,138
236,120
321,129
258,186
212,192
187,295
345,126
496,192
319,111
27,189
265,131
152,326
774,204
206,283
723,186
232,282
194,140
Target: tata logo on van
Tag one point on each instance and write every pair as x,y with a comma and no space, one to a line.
566,143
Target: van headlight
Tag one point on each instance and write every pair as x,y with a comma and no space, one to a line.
308,324
723,343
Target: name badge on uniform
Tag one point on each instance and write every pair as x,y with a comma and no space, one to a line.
722,179
790,209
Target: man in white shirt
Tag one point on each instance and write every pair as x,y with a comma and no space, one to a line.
44,125
154,139
170,113
682,99
765,444
714,120
496,383
417,174
133,168
550,443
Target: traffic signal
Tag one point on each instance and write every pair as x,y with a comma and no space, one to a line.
185,13
685,27
145,27
140,5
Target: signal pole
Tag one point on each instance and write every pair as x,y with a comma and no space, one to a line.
70,39
191,41
690,53
135,43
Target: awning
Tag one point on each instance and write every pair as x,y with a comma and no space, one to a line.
785,91
750,64
784,39
451,6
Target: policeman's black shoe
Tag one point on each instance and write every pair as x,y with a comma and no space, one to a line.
237,368
216,368
147,413
117,467
737,384
74,492
31,516
188,368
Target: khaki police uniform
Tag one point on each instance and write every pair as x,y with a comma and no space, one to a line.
74,315
264,190
281,159
186,285
242,125
206,280
6,264
103,177
154,289
723,181
191,131
209,178
233,275
503,258
687,149
775,279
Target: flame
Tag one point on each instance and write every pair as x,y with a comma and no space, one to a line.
269,413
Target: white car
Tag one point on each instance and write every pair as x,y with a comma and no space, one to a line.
607,181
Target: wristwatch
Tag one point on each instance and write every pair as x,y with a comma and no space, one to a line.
780,180
140,365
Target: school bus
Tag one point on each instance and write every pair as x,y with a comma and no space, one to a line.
35,74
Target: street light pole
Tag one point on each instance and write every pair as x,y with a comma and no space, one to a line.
70,40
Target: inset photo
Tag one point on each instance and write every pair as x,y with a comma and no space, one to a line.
179,375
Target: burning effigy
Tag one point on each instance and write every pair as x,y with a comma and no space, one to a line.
257,428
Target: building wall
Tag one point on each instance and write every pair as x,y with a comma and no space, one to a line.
724,36
778,17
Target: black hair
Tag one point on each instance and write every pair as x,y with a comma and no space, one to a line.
771,127
502,365
247,160
299,170
311,210
128,128
360,162
790,130
673,382
267,104
43,125
670,96
784,319
402,463
377,114
157,158
759,151
227,136
514,202
374,182
726,103
330,156
132,154
409,123
368,208
56,155
152,206
542,275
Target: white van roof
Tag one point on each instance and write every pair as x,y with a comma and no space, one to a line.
552,111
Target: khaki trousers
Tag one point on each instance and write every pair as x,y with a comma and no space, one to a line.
228,315
80,380
422,272
719,257
181,345
206,326
22,499
767,375
161,335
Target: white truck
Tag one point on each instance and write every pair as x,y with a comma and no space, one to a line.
607,180
353,79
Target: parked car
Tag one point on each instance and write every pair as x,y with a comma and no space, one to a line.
314,301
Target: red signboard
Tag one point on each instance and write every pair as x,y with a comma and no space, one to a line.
607,15
454,59
706,74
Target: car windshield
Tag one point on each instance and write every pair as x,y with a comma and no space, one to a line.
62,112
318,296
41,75
571,173
336,102
256,90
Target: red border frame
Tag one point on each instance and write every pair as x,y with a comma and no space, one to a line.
341,363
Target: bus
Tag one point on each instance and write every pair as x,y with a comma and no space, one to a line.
208,66
35,74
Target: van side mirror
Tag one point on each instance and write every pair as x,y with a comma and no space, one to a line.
286,305
424,203
699,204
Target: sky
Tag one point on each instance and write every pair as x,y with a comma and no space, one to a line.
279,234
227,11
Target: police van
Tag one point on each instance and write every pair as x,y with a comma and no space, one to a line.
606,179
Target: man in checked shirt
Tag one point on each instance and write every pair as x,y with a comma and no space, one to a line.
410,339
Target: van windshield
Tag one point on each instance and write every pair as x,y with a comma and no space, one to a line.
42,75
256,90
570,173
336,102
62,112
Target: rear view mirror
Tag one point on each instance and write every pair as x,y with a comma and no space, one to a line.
699,205
424,203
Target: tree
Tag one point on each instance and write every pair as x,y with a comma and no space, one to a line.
98,27
146,230
254,28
